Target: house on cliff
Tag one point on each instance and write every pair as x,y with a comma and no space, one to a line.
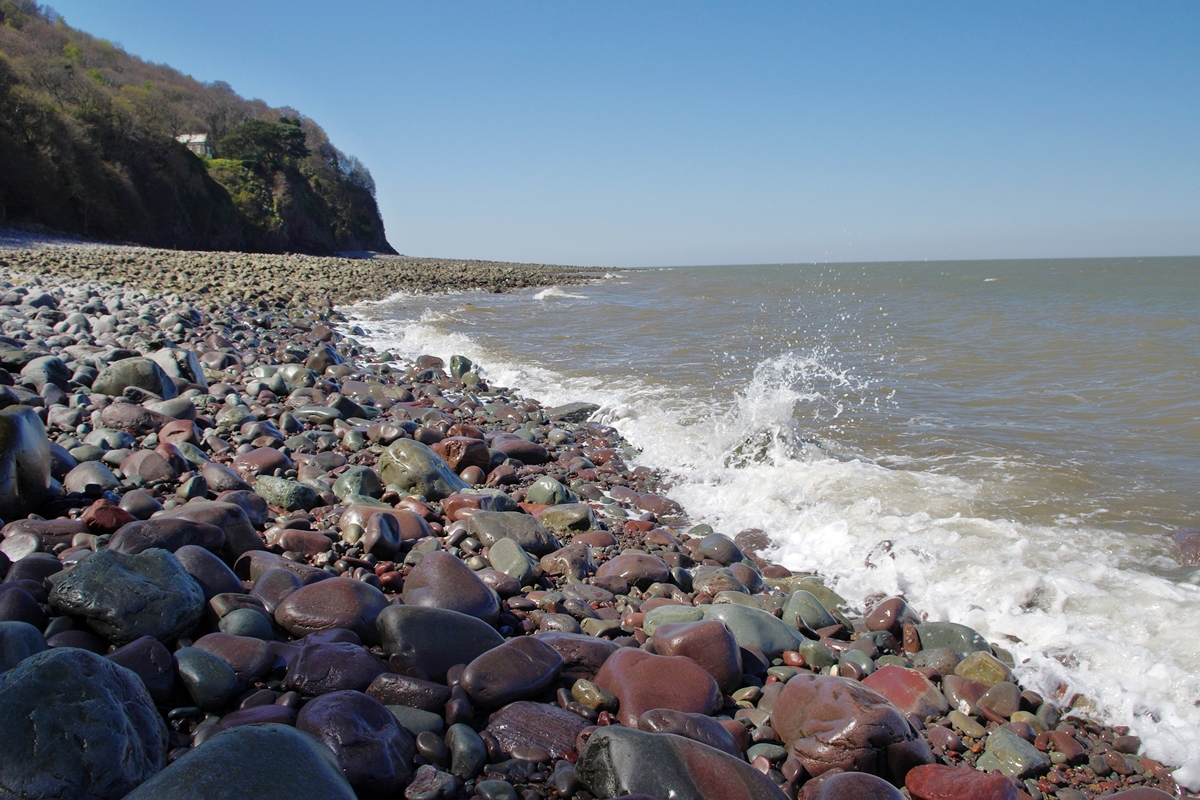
198,143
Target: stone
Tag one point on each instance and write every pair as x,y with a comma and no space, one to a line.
460,452
836,723
416,721
210,572
959,638
139,503
443,581
507,556
323,668
247,622
17,605
572,412
250,658
77,725
636,570
166,534
285,494
210,681
621,761
597,698
583,656
1000,702
908,690
375,753
221,478
136,419
240,536
359,480
261,761
149,466
707,642
180,363
803,608
939,782
261,461
519,669
18,641
25,458
90,473
568,518
102,517
334,603
403,690
697,727
984,668
141,373
891,615
151,661
755,628
528,724
123,597
430,783
573,561
1014,756
468,753
849,786
669,613
434,639
642,681
546,491
521,450
492,526
414,467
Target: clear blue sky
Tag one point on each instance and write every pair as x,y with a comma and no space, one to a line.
651,133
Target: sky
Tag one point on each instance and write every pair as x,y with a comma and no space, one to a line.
668,133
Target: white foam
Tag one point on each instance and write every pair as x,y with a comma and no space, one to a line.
555,292
1063,599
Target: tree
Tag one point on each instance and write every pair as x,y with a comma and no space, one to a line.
265,145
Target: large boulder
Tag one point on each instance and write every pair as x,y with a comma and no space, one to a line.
123,597
24,462
520,669
18,641
141,373
166,534
492,526
240,536
329,604
76,725
434,639
261,761
829,722
643,681
442,580
619,761
178,363
414,467
375,752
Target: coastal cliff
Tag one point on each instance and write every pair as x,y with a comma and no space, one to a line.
89,144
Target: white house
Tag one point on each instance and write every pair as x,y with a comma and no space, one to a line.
198,143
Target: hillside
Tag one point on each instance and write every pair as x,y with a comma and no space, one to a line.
88,146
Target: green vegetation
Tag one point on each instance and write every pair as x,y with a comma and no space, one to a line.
87,145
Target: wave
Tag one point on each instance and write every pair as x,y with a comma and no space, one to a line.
1086,626
555,292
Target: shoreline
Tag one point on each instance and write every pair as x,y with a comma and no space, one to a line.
678,567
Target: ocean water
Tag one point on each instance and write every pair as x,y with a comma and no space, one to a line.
1008,443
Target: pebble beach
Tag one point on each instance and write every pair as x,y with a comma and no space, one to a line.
245,554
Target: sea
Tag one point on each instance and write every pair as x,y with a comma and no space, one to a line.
1009,444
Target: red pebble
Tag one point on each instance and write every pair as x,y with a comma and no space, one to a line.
938,782
103,517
